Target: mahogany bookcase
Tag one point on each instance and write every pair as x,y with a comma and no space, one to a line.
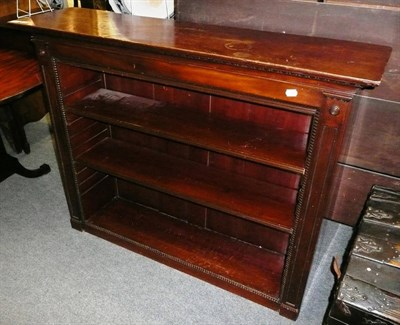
207,148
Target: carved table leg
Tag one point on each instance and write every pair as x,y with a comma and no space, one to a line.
13,129
10,165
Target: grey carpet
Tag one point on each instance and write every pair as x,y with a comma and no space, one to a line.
52,274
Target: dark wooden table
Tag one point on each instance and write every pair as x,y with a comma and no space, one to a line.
19,75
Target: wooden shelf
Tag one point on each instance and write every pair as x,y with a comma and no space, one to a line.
273,147
241,196
204,251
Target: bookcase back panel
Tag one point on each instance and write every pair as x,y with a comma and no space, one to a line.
98,196
173,206
206,218
73,79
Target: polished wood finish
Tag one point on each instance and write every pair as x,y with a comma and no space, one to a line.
193,143
373,135
227,192
25,72
237,47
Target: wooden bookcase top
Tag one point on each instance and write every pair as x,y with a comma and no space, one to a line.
354,63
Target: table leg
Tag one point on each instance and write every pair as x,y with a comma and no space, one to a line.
10,165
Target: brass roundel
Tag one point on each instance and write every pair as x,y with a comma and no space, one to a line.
334,110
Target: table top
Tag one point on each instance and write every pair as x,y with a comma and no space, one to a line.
19,73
